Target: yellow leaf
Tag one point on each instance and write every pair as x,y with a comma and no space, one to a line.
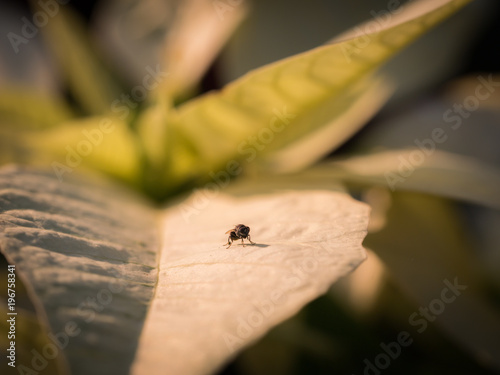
293,97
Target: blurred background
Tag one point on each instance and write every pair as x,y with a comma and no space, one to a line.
416,241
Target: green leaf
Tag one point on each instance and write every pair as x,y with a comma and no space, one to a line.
104,144
30,110
88,80
150,293
292,97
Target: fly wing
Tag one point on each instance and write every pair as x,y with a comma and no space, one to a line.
229,231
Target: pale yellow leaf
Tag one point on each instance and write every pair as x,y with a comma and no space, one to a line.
439,173
211,301
271,107
311,148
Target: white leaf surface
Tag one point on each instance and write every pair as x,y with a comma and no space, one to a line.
210,301
87,252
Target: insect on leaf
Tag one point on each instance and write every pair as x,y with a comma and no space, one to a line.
143,290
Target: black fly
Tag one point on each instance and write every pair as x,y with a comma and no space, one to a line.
239,232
